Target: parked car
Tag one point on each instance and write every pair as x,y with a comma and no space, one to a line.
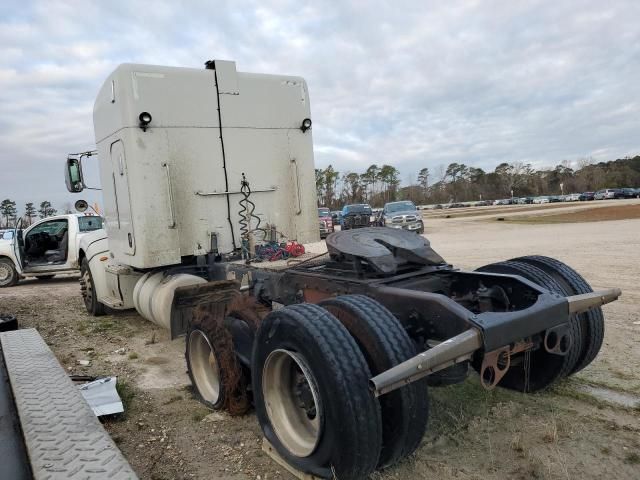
541,200
357,215
572,197
336,215
630,192
609,194
402,215
325,222
6,234
586,196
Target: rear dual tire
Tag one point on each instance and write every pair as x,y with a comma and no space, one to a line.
385,344
310,384
542,368
591,321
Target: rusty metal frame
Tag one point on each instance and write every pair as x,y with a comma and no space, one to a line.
489,337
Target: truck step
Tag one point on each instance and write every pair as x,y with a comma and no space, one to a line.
111,302
63,437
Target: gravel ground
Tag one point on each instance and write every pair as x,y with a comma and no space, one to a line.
587,427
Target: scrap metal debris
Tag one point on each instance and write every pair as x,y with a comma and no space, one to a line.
102,396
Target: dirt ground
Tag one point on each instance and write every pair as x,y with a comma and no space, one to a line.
587,427
612,212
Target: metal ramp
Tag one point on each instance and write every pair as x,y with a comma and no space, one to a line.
63,437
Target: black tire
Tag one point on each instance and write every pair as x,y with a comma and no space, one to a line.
592,321
349,442
545,368
385,344
8,273
45,277
8,322
88,289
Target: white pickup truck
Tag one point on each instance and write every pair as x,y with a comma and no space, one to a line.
46,248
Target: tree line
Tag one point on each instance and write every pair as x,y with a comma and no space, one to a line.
9,212
377,185
458,182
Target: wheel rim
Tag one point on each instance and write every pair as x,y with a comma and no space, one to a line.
204,367
292,402
5,274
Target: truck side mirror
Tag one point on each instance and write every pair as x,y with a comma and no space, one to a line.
81,206
73,175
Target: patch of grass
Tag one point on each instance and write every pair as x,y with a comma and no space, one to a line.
126,392
566,389
102,326
133,356
516,444
551,435
453,407
198,415
622,375
632,457
173,399
570,388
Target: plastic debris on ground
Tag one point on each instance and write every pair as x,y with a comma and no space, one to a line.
102,396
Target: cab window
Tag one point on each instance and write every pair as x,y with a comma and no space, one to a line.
89,223
53,227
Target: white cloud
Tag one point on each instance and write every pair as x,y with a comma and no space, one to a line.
408,83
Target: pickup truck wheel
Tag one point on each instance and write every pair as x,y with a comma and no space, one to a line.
310,385
543,368
385,344
592,321
8,273
87,287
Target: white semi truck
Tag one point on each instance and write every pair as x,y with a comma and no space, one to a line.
174,145
199,167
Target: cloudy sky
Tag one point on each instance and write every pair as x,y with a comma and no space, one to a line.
412,84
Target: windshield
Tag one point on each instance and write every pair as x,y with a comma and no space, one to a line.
89,223
323,212
399,207
359,208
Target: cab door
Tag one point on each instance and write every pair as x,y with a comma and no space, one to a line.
47,260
